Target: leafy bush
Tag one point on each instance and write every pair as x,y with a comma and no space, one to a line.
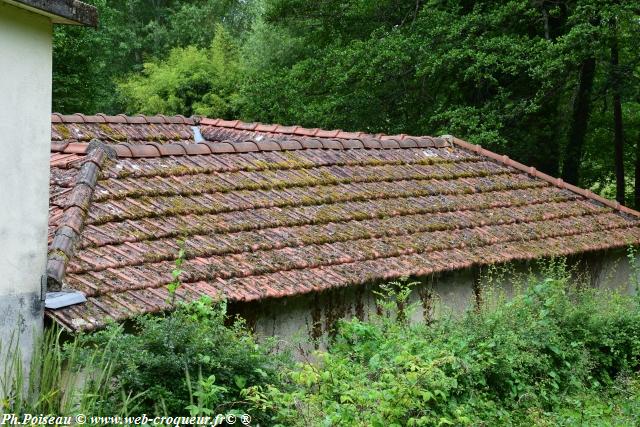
529,360
555,354
187,361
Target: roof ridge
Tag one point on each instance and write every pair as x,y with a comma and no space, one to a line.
558,182
71,225
154,149
294,130
236,125
123,119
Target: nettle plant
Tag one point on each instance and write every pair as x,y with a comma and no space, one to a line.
177,272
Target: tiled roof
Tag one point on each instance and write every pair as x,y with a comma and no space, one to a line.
269,211
61,11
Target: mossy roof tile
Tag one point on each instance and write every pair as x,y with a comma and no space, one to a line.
320,211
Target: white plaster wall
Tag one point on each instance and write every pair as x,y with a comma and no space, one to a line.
25,111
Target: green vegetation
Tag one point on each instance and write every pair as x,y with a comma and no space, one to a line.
176,283
552,355
553,84
557,354
190,81
58,387
189,362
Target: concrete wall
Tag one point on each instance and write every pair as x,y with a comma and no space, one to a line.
25,108
296,320
613,270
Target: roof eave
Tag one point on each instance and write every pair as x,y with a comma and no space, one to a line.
69,12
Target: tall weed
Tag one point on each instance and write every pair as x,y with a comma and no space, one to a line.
524,361
59,381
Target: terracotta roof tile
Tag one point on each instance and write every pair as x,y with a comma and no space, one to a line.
352,144
286,130
371,143
197,149
245,147
348,135
389,143
246,126
266,128
221,147
306,132
227,123
327,133
171,149
290,144
332,144
269,211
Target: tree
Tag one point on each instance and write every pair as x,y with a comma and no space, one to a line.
517,76
88,63
617,117
551,83
492,72
190,81
579,122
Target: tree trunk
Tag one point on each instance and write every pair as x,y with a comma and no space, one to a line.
618,139
619,148
637,177
579,120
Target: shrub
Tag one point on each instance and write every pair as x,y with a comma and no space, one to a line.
526,361
555,354
186,361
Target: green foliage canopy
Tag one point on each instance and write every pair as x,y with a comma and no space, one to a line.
502,74
190,81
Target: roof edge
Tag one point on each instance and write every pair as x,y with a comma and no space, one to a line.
558,182
72,12
68,233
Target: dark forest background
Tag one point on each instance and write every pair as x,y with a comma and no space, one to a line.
552,83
